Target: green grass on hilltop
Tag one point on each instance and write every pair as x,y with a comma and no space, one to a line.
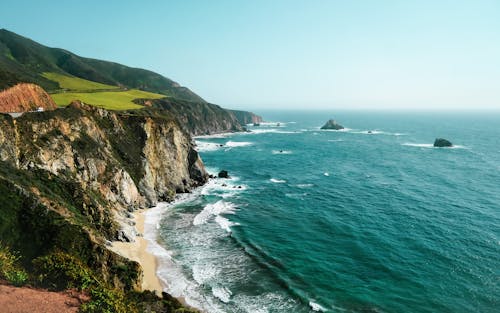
110,100
96,94
77,84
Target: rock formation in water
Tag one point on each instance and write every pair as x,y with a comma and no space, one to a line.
332,124
24,98
442,143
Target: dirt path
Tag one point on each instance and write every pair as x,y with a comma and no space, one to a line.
28,300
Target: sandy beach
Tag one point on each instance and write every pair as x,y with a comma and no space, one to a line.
137,251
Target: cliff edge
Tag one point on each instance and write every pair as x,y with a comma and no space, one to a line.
69,179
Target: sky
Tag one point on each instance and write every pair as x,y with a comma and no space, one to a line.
279,54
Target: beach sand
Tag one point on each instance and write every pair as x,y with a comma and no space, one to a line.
137,251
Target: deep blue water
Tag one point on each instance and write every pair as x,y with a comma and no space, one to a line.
344,221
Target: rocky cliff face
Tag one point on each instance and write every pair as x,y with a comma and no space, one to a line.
24,98
87,168
198,118
245,117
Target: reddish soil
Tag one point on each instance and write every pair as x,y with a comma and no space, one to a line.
29,300
25,97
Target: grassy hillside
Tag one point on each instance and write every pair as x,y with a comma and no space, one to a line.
97,94
24,60
111,100
77,84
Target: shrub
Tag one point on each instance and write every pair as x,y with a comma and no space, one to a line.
60,270
9,268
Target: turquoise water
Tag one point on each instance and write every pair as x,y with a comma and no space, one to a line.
344,221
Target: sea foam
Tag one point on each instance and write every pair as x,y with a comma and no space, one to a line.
233,144
213,209
277,181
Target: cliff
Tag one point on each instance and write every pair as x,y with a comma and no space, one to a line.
245,117
70,177
196,118
24,98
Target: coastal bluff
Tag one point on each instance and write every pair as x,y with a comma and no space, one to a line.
69,179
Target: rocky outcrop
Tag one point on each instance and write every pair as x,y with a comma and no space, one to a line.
198,118
223,174
442,143
85,169
24,98
245,117
332,124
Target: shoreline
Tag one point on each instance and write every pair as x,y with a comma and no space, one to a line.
137,251
140,251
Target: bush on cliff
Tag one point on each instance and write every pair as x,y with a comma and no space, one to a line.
9,267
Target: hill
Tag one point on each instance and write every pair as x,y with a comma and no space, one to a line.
24,60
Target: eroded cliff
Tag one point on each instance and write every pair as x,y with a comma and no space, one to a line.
70,177
25,97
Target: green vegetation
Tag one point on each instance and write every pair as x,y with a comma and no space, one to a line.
10,270
23,60
97,94
110,100
77,84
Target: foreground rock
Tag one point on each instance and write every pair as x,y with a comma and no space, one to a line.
332,124
442,143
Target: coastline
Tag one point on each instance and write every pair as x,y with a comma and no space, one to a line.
149,254
137,251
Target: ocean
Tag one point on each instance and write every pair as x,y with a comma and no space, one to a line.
371,218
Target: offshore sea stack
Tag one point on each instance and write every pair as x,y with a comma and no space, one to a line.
332,124
442,143
25,98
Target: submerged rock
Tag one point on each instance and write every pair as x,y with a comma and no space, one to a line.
441,142
332,124
223,174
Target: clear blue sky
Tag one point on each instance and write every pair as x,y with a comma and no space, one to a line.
289,54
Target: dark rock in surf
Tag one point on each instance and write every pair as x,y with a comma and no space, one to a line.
332,124
223,174
442,143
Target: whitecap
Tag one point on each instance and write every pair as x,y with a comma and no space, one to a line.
222,293
233,144
203,273
305,185
377,132
219,135
205,146
430,145
277,181
224,223
224,188
261,131
335,140
213,209
326,174
316,307
282,152
420,145
336,130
